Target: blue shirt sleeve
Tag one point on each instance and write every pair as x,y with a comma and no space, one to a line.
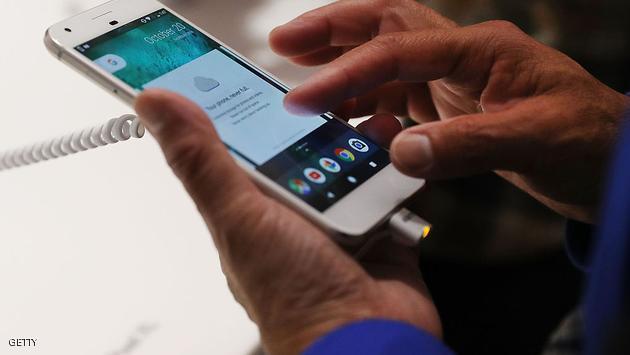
378,337
607,301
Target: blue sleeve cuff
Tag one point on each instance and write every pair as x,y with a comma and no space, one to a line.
378,337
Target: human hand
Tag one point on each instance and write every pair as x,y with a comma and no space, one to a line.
489,96
294,281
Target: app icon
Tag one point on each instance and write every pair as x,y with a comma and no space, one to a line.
331,195
344,154
330,165
205,84
352,180
359,145
299,186
111,63
373,164
315,175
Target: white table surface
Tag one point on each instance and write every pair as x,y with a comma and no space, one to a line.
103,252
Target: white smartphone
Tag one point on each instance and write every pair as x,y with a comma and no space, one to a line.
318,165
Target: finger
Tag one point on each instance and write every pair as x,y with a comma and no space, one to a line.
345,110
319,57
411,100
411,56
345,23
196,154
381,128
468,145
420,105
388,98
350,23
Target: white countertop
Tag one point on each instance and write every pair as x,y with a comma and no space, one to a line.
103,252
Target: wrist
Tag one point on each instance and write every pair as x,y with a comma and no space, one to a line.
295,333
291,330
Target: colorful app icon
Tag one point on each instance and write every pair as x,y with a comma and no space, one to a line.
111,63
359,145
315,175
330,165
344,154
300,186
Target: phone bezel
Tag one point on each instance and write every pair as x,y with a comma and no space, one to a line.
352,217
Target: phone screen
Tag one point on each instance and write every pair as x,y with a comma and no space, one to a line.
319,159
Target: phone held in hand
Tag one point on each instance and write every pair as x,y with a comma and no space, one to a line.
319,165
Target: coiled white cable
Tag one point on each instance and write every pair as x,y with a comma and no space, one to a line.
113,131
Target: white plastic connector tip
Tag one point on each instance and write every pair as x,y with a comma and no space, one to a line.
408,228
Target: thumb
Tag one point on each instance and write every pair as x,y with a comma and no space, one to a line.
197,155
461,146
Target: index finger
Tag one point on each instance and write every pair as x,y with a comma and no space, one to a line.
339,24
350,23
410,56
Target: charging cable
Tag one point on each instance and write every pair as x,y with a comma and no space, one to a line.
404,226
113,131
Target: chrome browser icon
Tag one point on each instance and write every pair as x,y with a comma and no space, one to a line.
345,155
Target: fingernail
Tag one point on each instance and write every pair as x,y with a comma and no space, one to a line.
150,116
414,152
292,23
295,23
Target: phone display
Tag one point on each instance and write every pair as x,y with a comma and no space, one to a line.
318,159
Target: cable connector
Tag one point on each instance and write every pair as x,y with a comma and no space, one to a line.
113,131
404,227
408,228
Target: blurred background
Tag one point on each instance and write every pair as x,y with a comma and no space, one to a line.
103,253
593,32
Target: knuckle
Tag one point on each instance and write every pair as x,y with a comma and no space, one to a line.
386,51
503,27
398,13
387,45
384,41
503,39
